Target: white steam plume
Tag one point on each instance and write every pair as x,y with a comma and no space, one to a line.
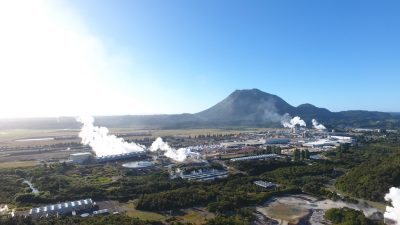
102,142
393,213
175,154
289,122
317,125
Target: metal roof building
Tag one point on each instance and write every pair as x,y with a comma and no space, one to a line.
265,184
101,212
108,158
203,175
239,144
277,141
62,208
255,157
81,157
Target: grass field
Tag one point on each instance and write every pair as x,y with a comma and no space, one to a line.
192,132
8,138
18,164
22,139
10,135
192,215
31,133
143,215
290,213
195,216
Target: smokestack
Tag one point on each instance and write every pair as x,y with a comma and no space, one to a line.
393,213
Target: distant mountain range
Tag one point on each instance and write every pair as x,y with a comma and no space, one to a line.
242,108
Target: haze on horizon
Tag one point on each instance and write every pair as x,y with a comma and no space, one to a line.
98,57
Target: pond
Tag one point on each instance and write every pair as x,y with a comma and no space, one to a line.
295,208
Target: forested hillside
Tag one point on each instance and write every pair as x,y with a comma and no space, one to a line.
378,171
346,216
372,179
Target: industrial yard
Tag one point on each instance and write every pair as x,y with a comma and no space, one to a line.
55,145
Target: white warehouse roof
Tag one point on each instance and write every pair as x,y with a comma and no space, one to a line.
264,156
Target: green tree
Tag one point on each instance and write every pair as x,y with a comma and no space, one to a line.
307,154
297,155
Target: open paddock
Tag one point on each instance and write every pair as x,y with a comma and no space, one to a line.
18,164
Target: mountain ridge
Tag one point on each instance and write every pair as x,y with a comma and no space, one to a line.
242,108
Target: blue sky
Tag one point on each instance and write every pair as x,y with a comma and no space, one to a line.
185,56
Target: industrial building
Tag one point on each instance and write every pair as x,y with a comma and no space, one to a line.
322,143
364,130
342,139
123,156
277,141
240,144
203,174
63,208
81,157
256,157
330,142
255,143
138,165
389,221
232,144
265,184
88,157
101,212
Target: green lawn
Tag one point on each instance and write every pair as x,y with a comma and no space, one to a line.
143,215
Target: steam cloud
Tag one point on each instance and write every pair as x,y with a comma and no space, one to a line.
269,111
104,144
289,122
393,213
317,125
175,154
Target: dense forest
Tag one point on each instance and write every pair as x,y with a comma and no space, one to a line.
61,182
378,170
103,220
346,216
220,196
11,184
155,191
372,179
240,219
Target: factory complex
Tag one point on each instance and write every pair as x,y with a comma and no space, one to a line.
247,146
214,157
